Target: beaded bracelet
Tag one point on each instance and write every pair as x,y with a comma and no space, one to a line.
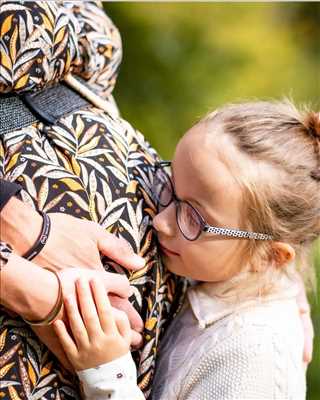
50,318
42,239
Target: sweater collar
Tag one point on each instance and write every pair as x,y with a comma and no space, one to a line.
208,305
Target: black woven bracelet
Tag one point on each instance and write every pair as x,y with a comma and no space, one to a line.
42,239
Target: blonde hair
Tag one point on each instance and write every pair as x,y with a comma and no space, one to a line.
276,136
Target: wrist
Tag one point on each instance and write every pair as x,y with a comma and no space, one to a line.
30,298
20,225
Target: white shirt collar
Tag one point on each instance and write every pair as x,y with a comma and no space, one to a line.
208,307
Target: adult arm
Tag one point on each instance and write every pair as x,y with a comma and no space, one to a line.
39,293
7,190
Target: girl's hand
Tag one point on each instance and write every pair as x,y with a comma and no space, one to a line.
99,334
116,286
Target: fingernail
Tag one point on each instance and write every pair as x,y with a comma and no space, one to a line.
139,326
140,262
78,282
69,300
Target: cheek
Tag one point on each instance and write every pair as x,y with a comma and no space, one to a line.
212,260
205,252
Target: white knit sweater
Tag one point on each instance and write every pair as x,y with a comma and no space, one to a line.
248,350
222,351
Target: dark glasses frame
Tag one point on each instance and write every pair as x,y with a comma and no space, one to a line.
203,225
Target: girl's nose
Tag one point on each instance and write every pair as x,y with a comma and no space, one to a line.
164,222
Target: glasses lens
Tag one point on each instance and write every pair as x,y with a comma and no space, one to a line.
162,188
188,220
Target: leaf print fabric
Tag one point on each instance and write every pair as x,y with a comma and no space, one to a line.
90,165
42,41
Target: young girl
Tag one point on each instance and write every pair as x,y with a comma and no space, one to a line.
243,203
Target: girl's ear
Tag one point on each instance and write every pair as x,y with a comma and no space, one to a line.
282,253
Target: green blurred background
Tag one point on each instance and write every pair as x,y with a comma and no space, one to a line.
182,60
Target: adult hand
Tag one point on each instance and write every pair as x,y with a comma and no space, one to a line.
78,243
304,309
72,241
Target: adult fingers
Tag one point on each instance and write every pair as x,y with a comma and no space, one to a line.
125,331
66,341
88,309
304,309
116,283
103,306
136,340
122,323
77,327
302,300
308,337
136,321
119,250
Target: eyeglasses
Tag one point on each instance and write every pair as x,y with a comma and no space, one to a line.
189,220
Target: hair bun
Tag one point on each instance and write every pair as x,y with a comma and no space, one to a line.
312,124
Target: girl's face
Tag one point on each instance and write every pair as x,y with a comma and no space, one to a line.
201,175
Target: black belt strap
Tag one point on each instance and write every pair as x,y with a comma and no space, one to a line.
48,106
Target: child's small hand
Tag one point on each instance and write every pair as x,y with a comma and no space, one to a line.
99,333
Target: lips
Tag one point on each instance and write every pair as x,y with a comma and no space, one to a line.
167,251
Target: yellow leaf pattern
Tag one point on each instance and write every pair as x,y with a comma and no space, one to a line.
46,369
13,161
59,36
21,82
150,324
47,23
3,339
79,56
32,374
75,165
5,60
6,26
72,184
13,394
13,44
5,369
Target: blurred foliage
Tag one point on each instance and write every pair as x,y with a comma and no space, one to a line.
181,60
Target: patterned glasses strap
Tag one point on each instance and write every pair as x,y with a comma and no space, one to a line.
237,233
